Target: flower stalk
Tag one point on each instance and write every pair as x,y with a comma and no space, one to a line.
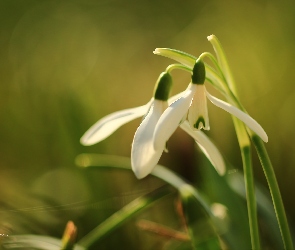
274,191
250,196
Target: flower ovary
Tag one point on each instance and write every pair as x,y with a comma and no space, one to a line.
199,73
163,86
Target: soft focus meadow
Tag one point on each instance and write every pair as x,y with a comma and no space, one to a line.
66,64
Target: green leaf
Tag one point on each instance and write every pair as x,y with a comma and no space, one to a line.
121,216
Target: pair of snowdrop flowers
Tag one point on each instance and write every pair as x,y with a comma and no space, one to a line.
162,116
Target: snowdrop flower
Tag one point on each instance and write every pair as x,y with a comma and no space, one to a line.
106,126
144,157
193,106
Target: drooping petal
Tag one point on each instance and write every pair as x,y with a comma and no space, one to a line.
172,116
207,147
198,112
143,156
175,97
110,123
248,120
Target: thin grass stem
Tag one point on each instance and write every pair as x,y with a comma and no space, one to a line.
121,216
250,194
274,191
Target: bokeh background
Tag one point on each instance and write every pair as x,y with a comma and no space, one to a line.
65,64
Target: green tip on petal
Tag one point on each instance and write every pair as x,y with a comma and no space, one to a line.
199,73
200,123
163,86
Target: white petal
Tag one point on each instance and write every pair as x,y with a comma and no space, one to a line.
248,120
110,123
198,111
143,156
175,97
172,116
208,148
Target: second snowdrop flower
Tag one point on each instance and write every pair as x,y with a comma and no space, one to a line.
193,106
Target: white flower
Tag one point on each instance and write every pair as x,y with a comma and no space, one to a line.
193,106
143,155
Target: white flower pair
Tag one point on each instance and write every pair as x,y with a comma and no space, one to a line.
187,110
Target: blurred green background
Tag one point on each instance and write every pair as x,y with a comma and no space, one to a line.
65,64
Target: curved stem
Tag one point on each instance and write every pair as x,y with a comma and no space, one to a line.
177,66
214,61
274,191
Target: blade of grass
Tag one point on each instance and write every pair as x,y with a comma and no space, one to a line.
107,161
274,191
121,216
264,206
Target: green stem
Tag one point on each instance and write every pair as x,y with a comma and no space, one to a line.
274,191
177,66
245,148
118,218
251,199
